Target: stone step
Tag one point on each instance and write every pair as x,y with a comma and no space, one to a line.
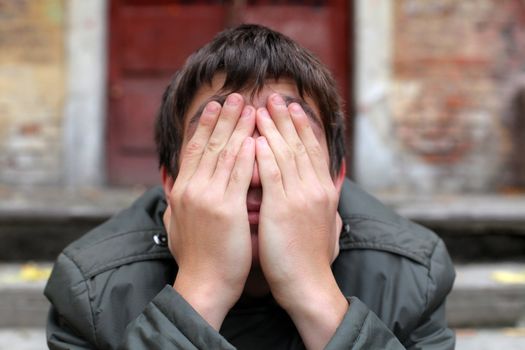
488,295
484,295
488,227
22,303
23,338
36,223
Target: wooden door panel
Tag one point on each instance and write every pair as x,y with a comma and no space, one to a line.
139,107
161,40
150,39
316,28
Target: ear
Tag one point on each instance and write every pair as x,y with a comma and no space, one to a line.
167,181
339,179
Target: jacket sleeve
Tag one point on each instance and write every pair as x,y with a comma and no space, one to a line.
432,331
61,337
169,322
70,320
362,329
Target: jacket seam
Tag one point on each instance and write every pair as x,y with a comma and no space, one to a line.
169,320
427,301
394,249
360,329
371,218
427,293
153,229
84,279
129,259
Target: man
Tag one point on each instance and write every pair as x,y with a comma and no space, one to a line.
256,239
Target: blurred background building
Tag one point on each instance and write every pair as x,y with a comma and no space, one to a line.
434,90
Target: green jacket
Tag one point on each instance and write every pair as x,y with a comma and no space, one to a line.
112,288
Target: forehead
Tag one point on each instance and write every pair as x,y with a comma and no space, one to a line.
286,87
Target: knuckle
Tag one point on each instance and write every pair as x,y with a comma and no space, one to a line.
188,196
235,176
193,147
320,197
315,151
287,153
333,197
220,212
299,148
227,156
213,146
274,175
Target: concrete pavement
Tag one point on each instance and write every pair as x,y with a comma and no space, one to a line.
467,339
491,339
22,339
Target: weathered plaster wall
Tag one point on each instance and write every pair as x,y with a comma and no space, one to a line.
375,151
455,67
32,90
85,107
52,91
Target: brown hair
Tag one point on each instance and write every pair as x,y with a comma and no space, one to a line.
248,55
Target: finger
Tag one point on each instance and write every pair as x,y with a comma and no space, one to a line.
313,147
338,228
281,152
194,149
222,132
227,157
166,218
241,174
269,171
281,117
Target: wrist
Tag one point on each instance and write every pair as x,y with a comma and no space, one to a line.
318,300
317,312
209,298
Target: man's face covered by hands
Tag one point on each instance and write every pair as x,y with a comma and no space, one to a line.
253,208
246,112
252,203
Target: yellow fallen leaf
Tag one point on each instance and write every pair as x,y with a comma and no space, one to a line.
509,277
514,332
31,272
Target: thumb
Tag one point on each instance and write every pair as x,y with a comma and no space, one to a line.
338,228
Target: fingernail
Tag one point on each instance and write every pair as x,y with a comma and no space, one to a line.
212,107
278,100
295,108
233,100
264,113
262,140
247,111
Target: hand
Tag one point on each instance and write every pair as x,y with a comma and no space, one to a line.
209,233
299,224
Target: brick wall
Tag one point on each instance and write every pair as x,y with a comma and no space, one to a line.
31,91
457,66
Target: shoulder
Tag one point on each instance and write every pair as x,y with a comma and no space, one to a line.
369,224
127,237
103,280
399,269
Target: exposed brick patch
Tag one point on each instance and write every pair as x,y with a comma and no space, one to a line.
452,63
32,82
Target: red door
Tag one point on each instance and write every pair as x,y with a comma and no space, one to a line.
149,41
